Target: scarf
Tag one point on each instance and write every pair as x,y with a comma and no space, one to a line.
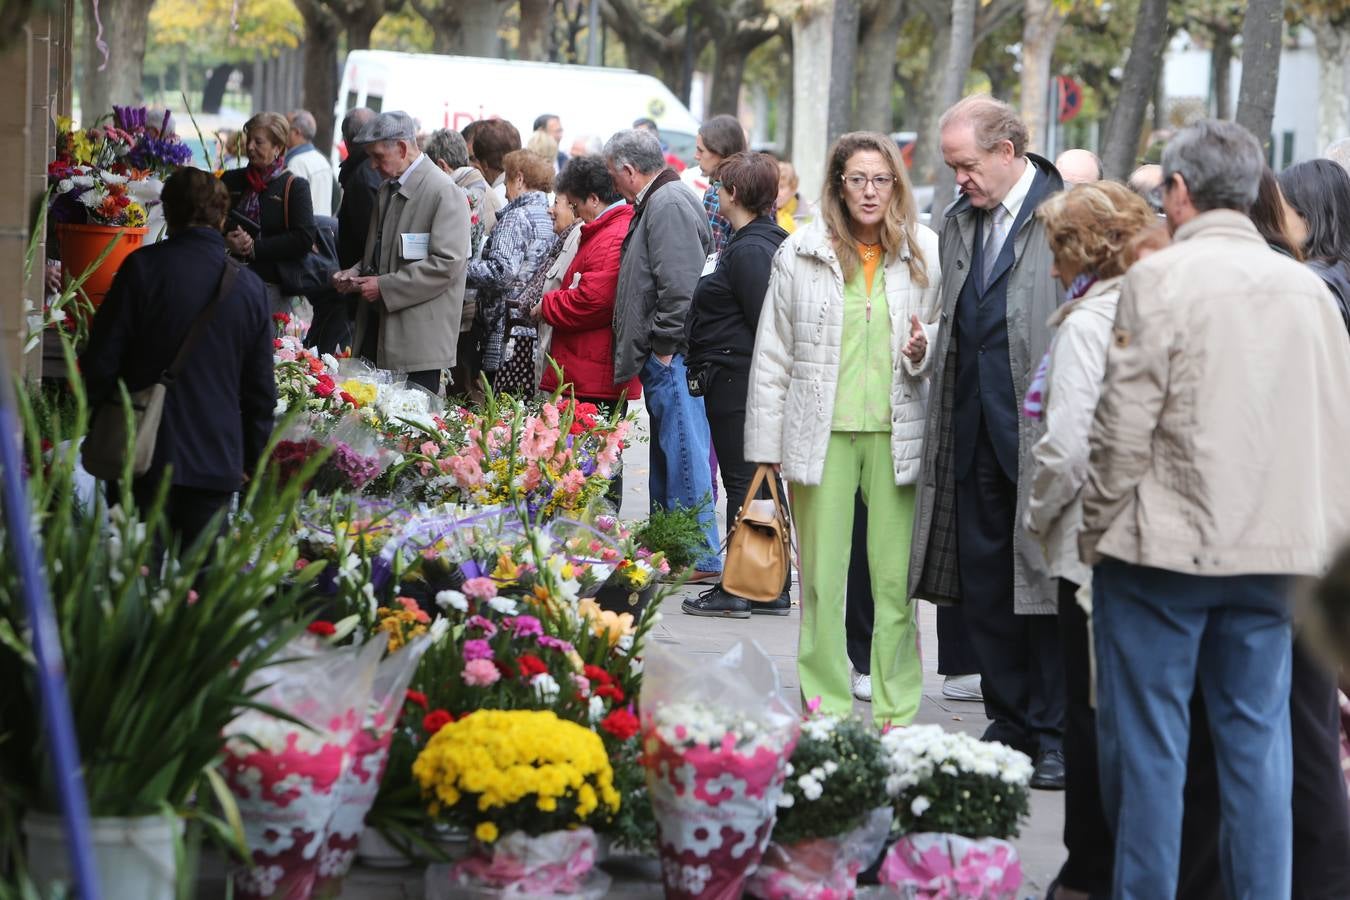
1034,403
250,201
660,181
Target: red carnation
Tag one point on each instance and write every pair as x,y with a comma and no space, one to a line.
531,665
504,668
620,723
322,628
276,343
325,387
612,691
348,398
281,318
435,720
417,698
597,675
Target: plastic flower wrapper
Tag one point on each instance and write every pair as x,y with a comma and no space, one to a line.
834,815
957,800
357,787
354,461
716,742
283,775
558,864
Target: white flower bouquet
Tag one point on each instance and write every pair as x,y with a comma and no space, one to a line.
958,799
716,739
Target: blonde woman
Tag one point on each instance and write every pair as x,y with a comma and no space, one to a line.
834,400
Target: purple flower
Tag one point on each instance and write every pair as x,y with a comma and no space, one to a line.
526,626
355,467
553,643
477,650
486,625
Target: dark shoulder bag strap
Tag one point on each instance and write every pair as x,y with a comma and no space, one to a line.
201,322
286,202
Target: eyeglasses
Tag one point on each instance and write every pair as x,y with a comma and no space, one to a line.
858,183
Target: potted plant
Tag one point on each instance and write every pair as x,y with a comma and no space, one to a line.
833,817
159,643
528,785
637,570
958,799
676,534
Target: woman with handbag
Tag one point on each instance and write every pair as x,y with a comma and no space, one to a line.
723,317
180,306
834,399
271,217
517,246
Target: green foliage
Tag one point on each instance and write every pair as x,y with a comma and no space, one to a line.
675,532
402,30
847,794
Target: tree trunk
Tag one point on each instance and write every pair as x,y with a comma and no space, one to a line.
1221,74
213,94
535,29
479,21
1040,30
1262,31
656,50
878,38
126,24
1333,118
360,25
961,49
1120,140
929,108
321,69
812,37
727,76
843,55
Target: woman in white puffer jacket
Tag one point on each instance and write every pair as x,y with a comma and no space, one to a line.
835,399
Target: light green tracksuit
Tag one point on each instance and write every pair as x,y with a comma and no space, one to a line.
859,456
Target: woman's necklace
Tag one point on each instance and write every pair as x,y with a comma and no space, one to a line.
869,252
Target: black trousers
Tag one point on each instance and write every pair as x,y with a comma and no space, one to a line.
615,493
859,608
427,378
1321,816
956,654
1021,669
189,510
331,328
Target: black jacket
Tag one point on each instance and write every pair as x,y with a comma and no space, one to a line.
280,239
360,194
724,315
218,414
1337,277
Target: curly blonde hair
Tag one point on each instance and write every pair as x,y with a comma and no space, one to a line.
1091,227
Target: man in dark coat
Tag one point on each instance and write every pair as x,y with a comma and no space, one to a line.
218,412
997,295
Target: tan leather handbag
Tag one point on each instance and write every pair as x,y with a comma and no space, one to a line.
760,545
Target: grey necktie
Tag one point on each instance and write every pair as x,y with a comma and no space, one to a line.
993,243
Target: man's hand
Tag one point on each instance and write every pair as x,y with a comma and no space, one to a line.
53,276
240,243
344,280
368,287
917,346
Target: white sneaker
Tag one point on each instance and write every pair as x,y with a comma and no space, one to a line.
962,687
862,687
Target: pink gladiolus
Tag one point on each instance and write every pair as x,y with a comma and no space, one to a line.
429,448
573,482
550,414
480,673
480,588
539,440
531,479
467,472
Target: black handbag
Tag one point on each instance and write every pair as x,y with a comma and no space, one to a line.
313,272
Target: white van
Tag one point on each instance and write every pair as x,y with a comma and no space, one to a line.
451,91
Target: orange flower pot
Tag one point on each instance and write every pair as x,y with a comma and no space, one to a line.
82,245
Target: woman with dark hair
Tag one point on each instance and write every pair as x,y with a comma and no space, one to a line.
492,140
1318,194
218,412
273,217
1270,215
517,246
721,326
718,138
835,399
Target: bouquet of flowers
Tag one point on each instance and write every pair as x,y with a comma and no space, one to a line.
957,799
527,784
284,776
833,818
97,196
356,458
716,743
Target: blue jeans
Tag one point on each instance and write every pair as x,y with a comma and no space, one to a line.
680,474
1158,634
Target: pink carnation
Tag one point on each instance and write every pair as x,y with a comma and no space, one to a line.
526,626
480,588
486,625
476,649
480,673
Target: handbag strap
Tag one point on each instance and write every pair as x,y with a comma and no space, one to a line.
199,324
762,473
286,202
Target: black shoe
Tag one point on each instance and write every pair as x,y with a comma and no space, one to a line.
780,607
1049,774
717,603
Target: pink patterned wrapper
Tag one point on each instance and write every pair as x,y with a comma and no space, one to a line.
933,866
823,868
556,864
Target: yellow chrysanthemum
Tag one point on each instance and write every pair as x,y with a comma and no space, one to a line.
485,832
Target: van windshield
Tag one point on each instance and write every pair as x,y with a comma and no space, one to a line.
681,143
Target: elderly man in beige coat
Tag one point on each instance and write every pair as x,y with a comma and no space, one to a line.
1216,475
417,252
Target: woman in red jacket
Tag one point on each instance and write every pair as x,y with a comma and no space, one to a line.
582,310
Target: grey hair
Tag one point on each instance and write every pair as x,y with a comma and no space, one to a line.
637,148
302,120
1339,153
354,121
1221,163
447,146
594,146
993,122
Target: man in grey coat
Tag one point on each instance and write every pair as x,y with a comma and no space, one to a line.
997,296
664,253
411,281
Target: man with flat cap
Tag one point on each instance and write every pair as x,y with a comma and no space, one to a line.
411,279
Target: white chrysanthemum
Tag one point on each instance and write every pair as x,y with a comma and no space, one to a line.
919,805
503,605
452,600
545,687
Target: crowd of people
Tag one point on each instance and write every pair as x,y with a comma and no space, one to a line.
1095,423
